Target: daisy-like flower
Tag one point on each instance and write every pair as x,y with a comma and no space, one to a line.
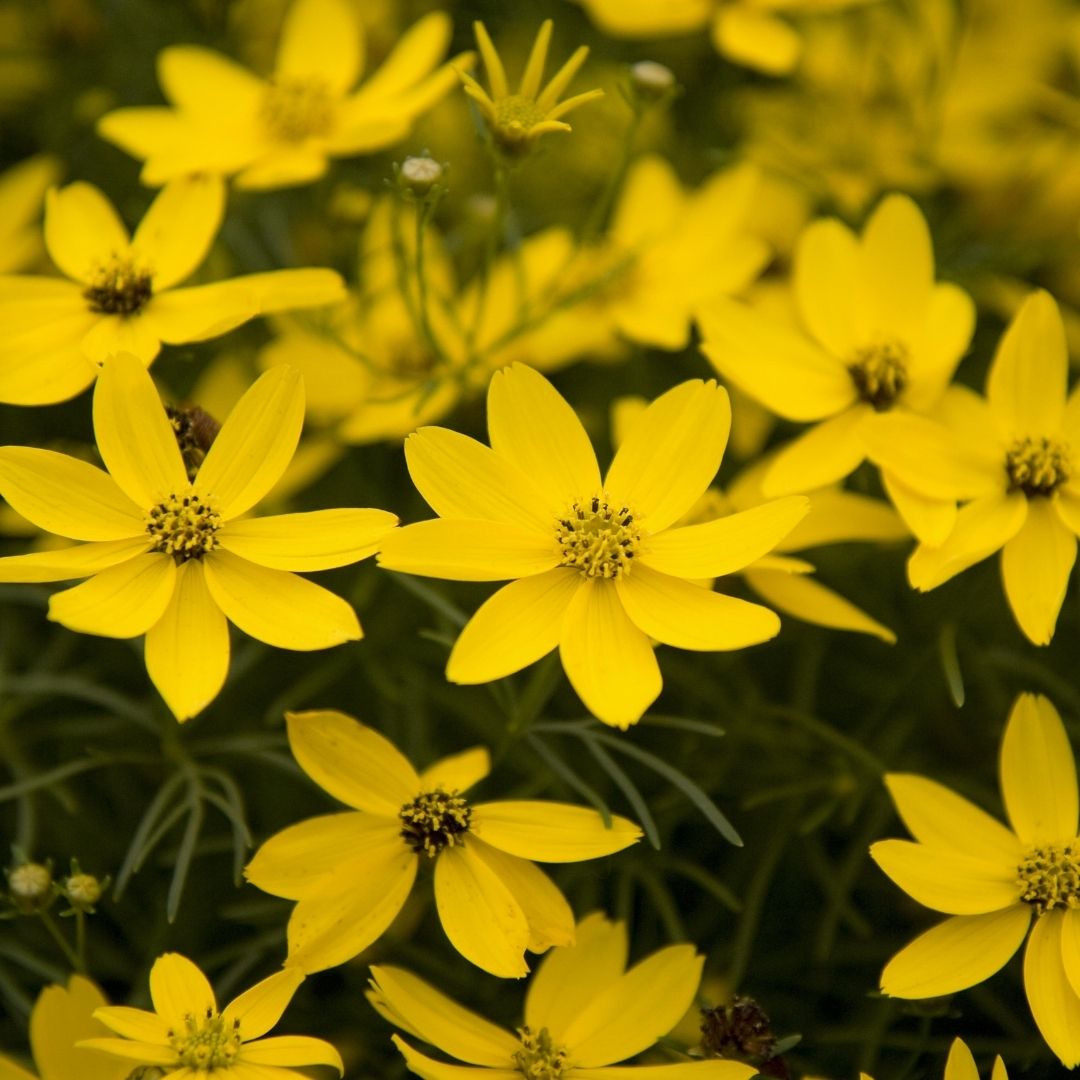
516,120
63,1016
351,872
176,559
879,336
996,882
120,294
187,1037
584,1012
1012,458
281,131
599,568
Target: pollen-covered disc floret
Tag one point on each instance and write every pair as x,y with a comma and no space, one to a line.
515,117
539,1058
598,536
1038,466
119,287
207,1042
184,527
298,109
880,373
434,821
1049,877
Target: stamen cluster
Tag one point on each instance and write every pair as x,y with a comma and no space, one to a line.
539,1058
879,373
515,117
207,1042
119,287
297,109
184,527
434,821
1049,877
1038,466
598,538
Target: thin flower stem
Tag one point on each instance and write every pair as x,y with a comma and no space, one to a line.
65,947
80,940
601,210
495,237
423,219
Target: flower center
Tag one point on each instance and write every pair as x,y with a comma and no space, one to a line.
879,373
184,527
207,1042
1049,877
1037,466
119,287
434,821
297,109
598,538
539,1058
515,117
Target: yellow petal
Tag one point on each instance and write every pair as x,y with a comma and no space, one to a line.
293,862
256,442
681,1070
534,66
113,334
321,40
936,347
121,602
464,550
430,1069
203,81
688,616
1070,946
1035,567
287,290
131,1023
532,426
960,952
283,1050
51,366
134,436
354,763
61,1018
757,39
826,453
187,649
960,1064
479,913
630,1014
282,168
496,74
827,279
415,53
64,495
514,628
550,831
316,540
441,1021
1055,1005
82,230
948,881
1038,773
607,659
458,772
199,312
178,989
82,560
142,1052
930,519
261,1007
562,79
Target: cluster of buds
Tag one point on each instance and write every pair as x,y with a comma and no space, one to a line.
742,1031
32,889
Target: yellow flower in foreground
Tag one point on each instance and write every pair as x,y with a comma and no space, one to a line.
62,1016
121,293
584,1012
601,569
174,559
1012,457
273,133
187,1037
352,872
960,1065
880,336
995,882
516,120
22,194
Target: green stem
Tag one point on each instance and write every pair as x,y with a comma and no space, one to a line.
65,947
80,940
495,237
423,218
598,216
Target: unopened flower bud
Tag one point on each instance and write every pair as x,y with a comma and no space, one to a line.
30,886
82,891
420,174
651,82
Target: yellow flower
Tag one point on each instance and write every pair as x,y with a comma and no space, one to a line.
997,882
960,1065
120,295
517,120
601,570
22,194
352,872
584,1012
282,131
187,1037
62,1016
879,337
174,559
1013,455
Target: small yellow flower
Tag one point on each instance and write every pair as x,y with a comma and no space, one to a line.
120,294
174,559
187,1036
960,1065
517,120
584,1012
996,882
22,195
282,131
351,872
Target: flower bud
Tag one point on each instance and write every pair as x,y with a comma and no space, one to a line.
30,887
82,891
651,82
420,174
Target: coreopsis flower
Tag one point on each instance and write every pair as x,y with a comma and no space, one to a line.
352,872
62,1016
997,882
281,131
22,195
120,294
187,1036
1011,458
960,1065
177,559
517,119
878,337
598,569
584,1012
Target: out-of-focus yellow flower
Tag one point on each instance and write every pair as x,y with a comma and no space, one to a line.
22,195
516,120
175,559
996,882
283,131
121,293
